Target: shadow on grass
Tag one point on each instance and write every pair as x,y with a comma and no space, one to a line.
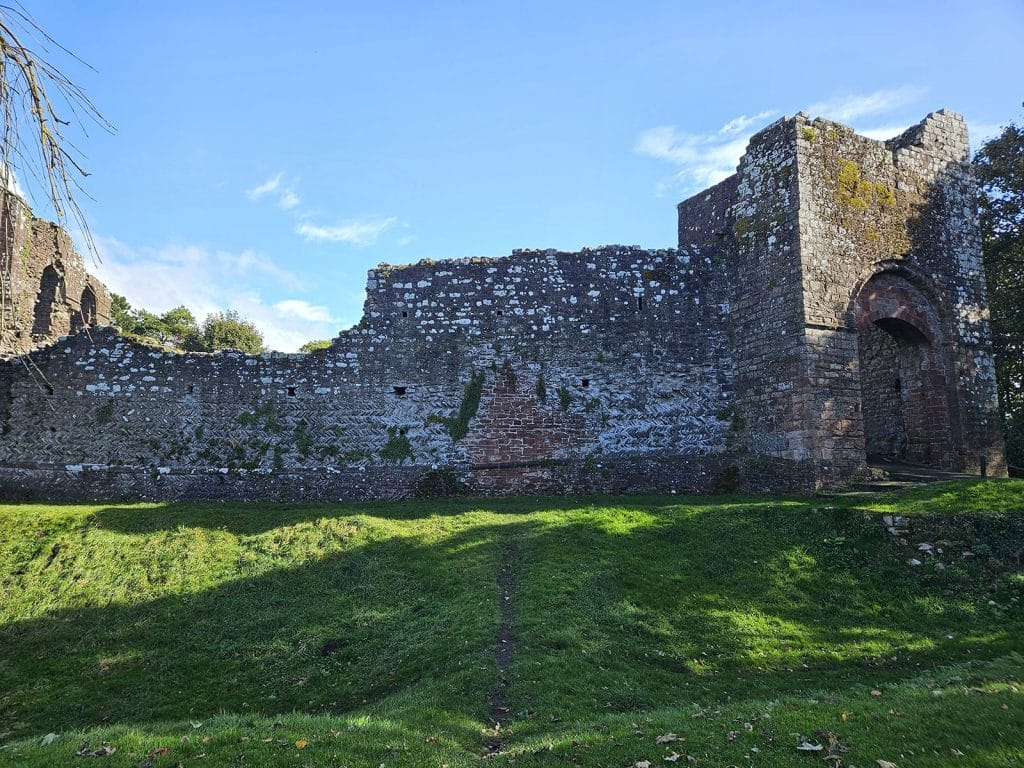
611,616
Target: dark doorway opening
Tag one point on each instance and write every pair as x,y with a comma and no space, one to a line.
49,289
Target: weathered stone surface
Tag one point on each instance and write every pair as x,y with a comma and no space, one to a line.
757,354
45,290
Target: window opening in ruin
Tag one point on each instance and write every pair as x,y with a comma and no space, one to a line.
584,382
402,431
191,389
500,313
640,303
291,391
400,391
49,289
404,313
86,314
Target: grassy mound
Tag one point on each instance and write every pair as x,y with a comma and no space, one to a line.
668,630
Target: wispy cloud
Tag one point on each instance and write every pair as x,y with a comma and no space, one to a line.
267,187
354,231
275,185
703,158
206,281
853,106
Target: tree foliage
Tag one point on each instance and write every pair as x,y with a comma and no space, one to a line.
999,166
178,328
315,344
226,330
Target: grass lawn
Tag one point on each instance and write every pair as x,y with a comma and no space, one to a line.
611,631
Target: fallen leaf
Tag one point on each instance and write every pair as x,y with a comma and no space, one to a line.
845,716
667,738
672,758
876,692
731,735
885,764
956,752
807,746
196,724
301,743
159,752
642,764
104,750
49,738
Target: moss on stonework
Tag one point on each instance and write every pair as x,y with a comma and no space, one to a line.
105,412
858,193
809,134
564,397
742,227
303,440
542,388
458,425
397,449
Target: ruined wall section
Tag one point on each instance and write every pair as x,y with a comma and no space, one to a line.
764,321
43,281
905,207
542,371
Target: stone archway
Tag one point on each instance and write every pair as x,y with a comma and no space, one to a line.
86,315
905,379
50,288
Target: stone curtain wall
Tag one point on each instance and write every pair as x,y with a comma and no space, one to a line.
42,282
542,371
731,361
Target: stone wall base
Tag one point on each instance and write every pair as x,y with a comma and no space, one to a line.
715,473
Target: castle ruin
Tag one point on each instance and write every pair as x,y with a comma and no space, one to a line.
825,306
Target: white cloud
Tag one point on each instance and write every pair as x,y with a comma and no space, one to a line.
267,187
704,158
303,310
355,231
288,200
850,107
206,281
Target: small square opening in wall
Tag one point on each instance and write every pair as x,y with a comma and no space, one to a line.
400,391
291,391
402,431
405,313
191,389
500,313
584,382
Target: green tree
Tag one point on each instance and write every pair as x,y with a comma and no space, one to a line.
315,344
121,313
999,166
179,327
226,330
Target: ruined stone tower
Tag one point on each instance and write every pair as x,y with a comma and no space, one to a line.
45,290
825,305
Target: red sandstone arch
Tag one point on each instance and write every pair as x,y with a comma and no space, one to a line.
908,394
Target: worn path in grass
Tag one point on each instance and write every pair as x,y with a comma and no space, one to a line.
372,633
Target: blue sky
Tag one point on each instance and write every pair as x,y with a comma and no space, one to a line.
267,153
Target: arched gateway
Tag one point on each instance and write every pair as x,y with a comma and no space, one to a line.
905,375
